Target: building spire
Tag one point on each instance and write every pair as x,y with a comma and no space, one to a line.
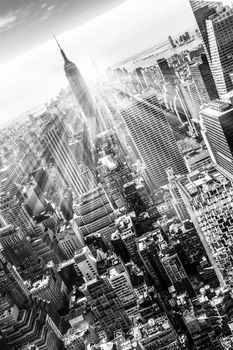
62,52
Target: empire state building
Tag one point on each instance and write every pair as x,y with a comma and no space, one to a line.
81,92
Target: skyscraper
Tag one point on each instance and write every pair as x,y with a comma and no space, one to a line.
12,285
217,130
12,211
17,250
32,325
176,272
153,137
215,23
106,306
177,200
55,139
85,263
203,78
119,279
81,92
148,251
95,214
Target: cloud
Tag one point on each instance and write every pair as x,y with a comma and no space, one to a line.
50,8
43,5
7,22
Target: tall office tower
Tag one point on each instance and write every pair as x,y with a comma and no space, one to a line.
18,251
95,214
167,72
46,246
113,169
177,200
78,339
192,99
148,251
176,272
49,288
217,129
69,240
128,236
71,172
119,247
138,198
31,325
210,206
139,72
12,212
157,334
188,246
171,42
109,173
66,205
69,274
85,264
41,178
12,285
13,188
153,137
201,331
203,78
215,24
119,279
106,306
82,94
34,200
81,148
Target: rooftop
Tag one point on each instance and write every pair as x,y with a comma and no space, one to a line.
40,283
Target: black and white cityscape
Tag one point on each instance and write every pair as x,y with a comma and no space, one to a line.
116,175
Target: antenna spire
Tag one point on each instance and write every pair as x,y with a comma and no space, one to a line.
62,52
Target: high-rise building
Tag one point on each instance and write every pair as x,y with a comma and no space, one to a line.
32,325
45,245
209,203
119,247
140,75
12,285
167,72
215,24
128,236
157,333
203,78
153,137
177,200
85,263
148,251
95,214
113,168
82,94
188,245
18,251
49,288
176,272
72,173
69,241
119,278
171,42
107,307
12,211
217,130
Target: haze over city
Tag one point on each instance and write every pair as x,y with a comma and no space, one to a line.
116,175
106,33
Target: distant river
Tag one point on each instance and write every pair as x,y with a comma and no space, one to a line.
162,50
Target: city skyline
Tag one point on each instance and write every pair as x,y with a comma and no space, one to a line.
116,193
94,43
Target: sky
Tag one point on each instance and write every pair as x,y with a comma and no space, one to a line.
104,31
